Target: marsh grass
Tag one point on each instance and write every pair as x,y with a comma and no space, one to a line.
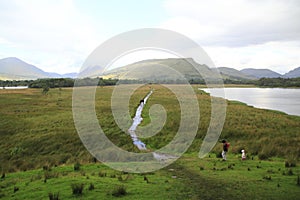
38,130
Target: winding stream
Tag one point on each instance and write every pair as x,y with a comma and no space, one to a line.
136,121
136,141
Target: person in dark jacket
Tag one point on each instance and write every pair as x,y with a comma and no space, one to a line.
225,149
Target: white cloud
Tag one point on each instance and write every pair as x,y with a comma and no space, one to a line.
55,32
58,35
278,56
235,22
241,33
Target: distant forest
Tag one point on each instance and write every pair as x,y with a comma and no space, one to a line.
68,82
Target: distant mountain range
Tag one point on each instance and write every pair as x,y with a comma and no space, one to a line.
15,69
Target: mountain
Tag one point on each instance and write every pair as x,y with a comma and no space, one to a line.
160,69
15,69
70,75
261,73
154,69
233,74
172,69
293,73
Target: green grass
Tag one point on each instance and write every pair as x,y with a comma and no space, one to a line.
38,131
187,178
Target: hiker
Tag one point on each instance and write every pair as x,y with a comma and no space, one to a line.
243,154
225,149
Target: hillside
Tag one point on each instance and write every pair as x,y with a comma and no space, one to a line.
261,73
293,73
174,69
171,69
234,74
15,69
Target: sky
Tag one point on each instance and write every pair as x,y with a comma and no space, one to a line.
58,35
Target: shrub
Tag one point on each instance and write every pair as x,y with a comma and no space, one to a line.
46,168
263,156
269,178
120,178
76,166
53,196
113,176
290,163
102,174
77,188
290,172
48,175
16,189
119,191
91,187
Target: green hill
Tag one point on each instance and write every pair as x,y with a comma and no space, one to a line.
171,69
233,74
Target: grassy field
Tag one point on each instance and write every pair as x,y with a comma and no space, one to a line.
187,178
37,131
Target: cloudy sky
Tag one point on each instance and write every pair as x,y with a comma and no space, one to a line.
58,35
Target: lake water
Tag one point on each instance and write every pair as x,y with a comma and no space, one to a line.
285,100
14,88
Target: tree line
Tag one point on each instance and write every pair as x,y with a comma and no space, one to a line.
68,82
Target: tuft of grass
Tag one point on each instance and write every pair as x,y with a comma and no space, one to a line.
77,166
119,191
91,186
77,188
53,196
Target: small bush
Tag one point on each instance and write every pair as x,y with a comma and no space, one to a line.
102,174
53,196
119,191
77,188
77,166
120,178
48,174
16,189
82,173
290,163
91,187
298,180
113,176
290,172
269,178
46,168
263,156
219,155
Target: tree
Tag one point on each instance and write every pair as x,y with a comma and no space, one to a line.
45,89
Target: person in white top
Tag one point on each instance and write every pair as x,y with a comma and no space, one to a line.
243,154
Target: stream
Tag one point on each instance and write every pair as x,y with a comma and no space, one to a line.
136,141
136,121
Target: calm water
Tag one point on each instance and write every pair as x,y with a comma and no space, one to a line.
15,88
285,100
